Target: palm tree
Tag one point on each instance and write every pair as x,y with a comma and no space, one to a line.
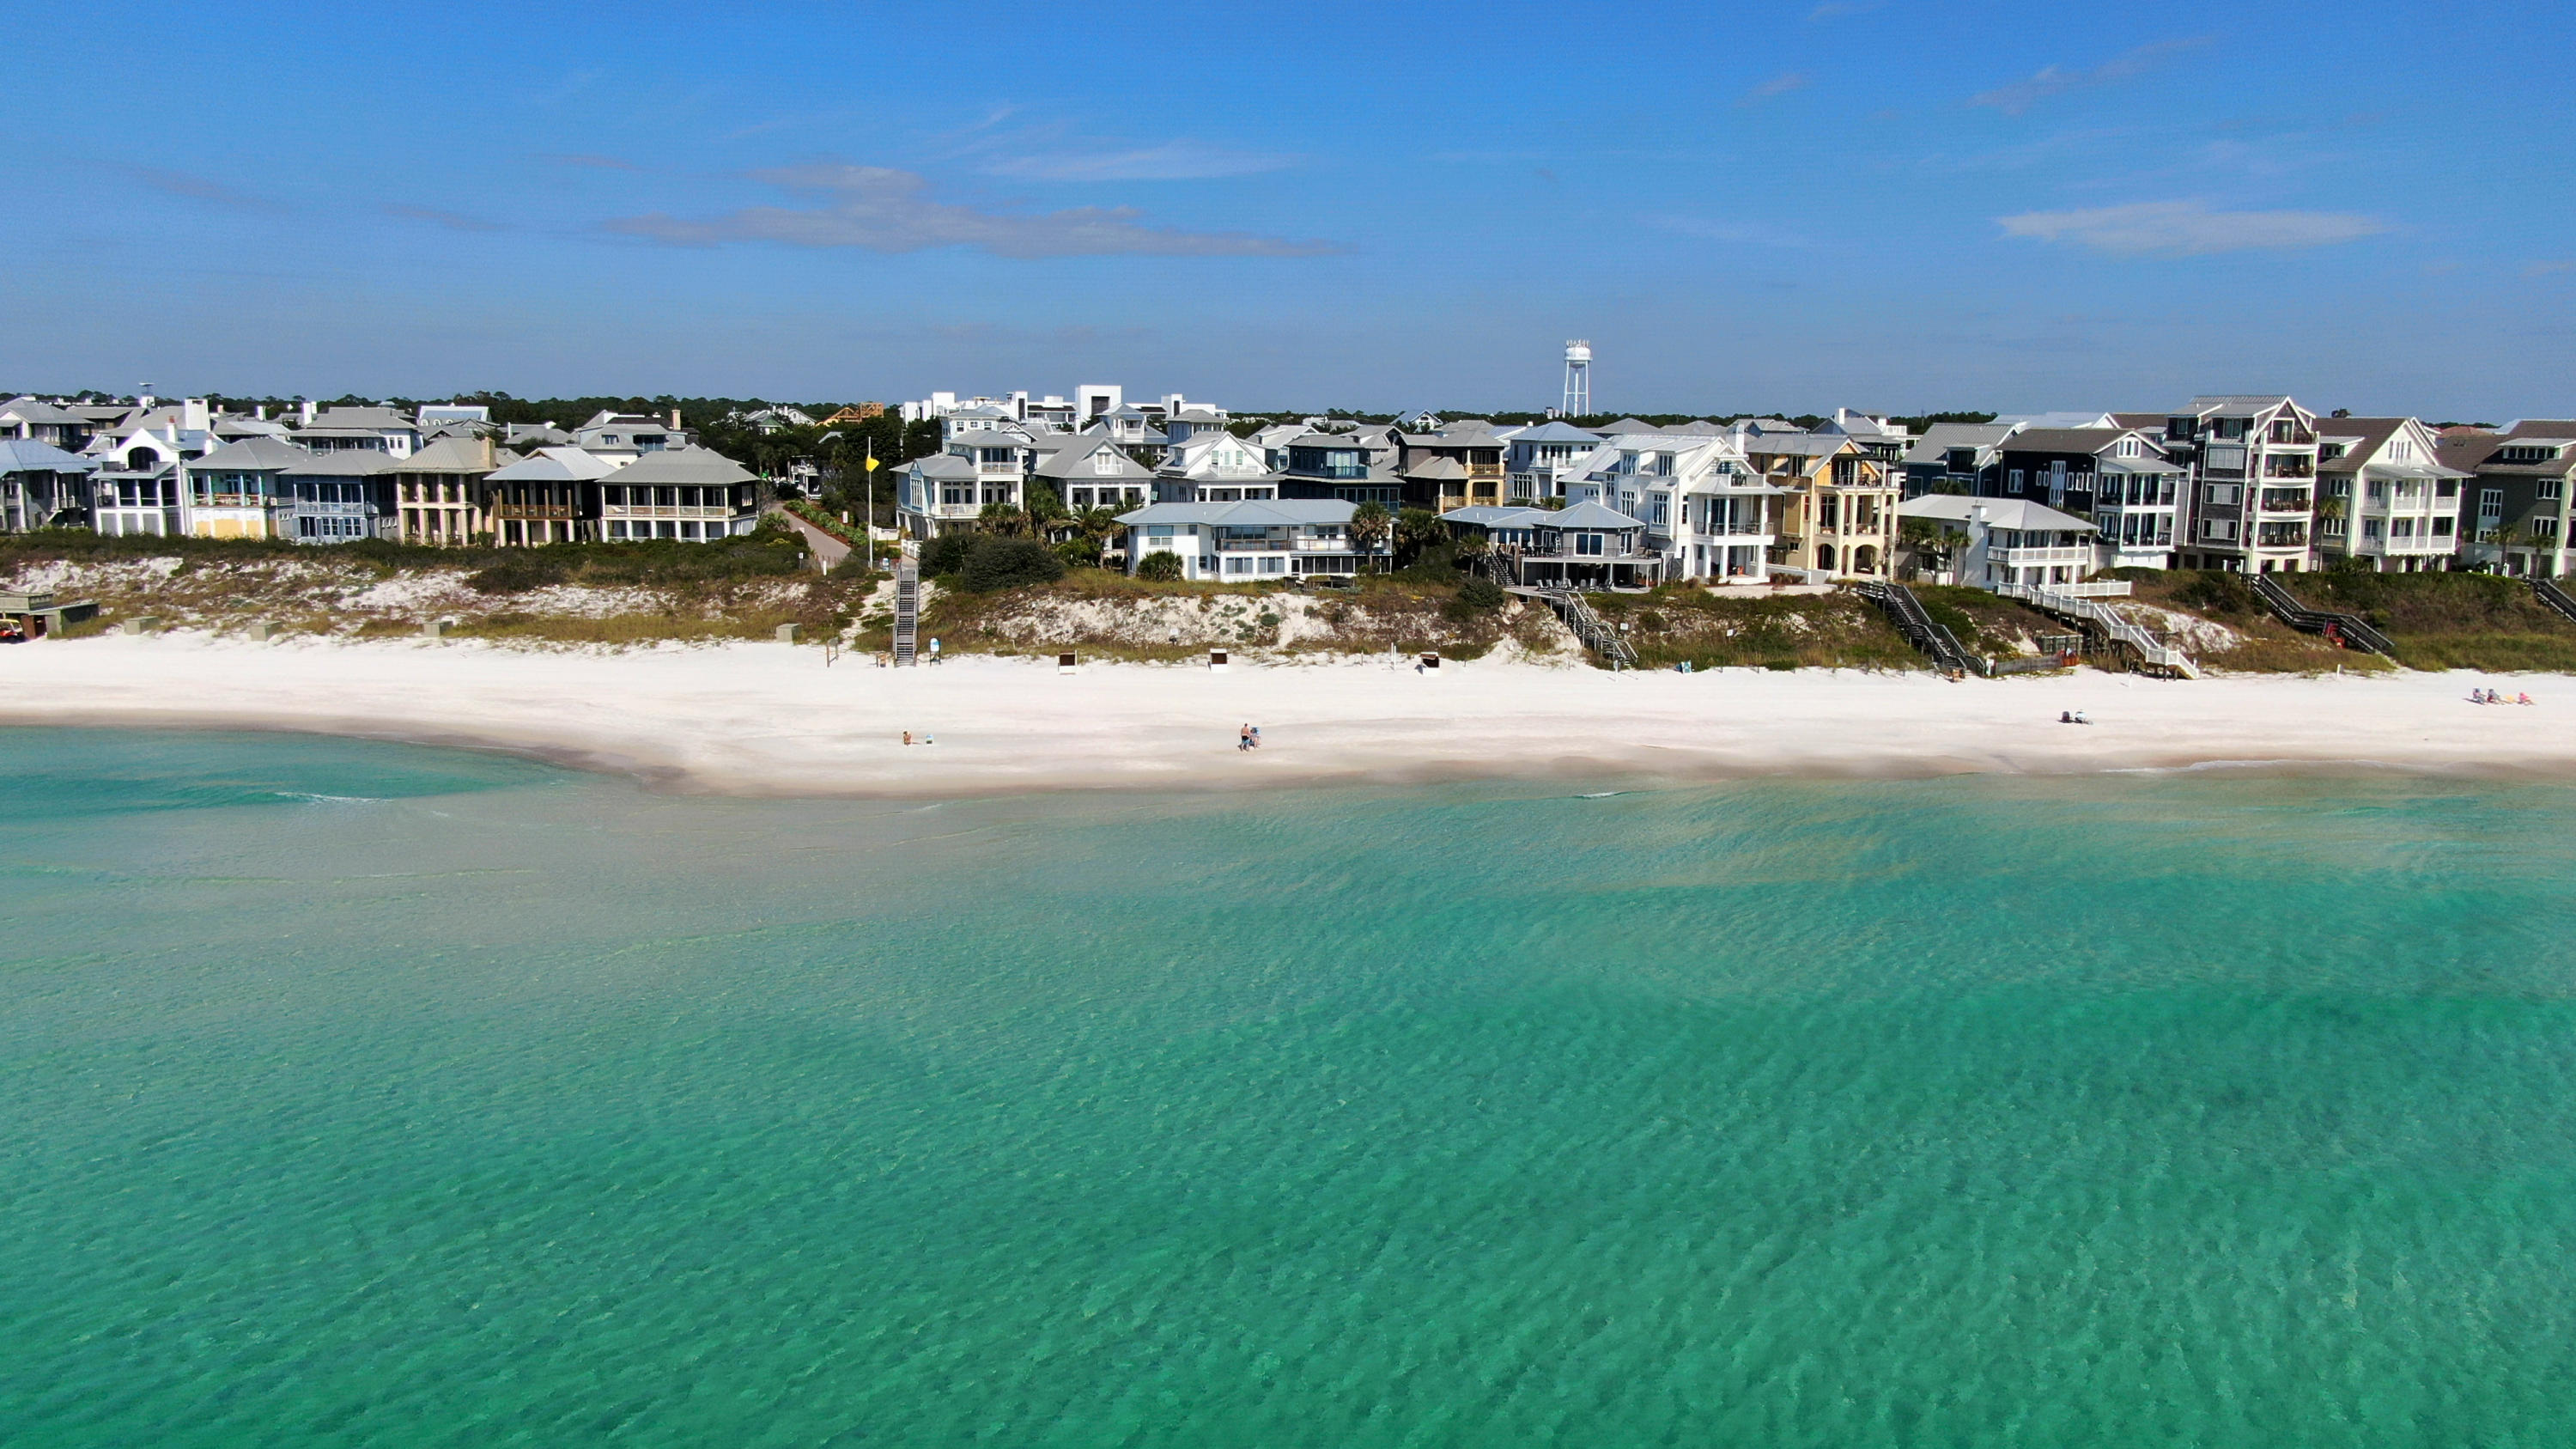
1096,526
1370,526
1002,518
1045,510
1415,530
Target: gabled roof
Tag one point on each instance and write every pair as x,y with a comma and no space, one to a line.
942,465
1486,515
345,463
26,455
37,410
2542,428
2144,422
1438,470
2062,440
555,465
1588,515
1556,432
2013,513
1075,461
1937,440
253,455
1804,445
448,455
683,465
2364,435
1251,512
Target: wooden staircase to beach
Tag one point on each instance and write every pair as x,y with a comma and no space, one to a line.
907,611
2351,631
2149,651
2554,596
1597,634
1920,629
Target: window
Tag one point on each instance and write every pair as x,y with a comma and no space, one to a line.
2222,495
2017,477
2221,530
2546,528
1105,463
2552,488
2442,528
1587,543
2372,528
2131,447
2490,505
1273,564
2401,528
1158,530
1238,565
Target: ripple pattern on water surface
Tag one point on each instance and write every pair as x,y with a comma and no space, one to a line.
499,1106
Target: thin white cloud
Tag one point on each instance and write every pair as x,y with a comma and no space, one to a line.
2545,269
2189,228
198,188
453,221
2020,96
879,209
1171,161
1778,85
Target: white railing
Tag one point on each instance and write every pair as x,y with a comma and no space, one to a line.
2056,599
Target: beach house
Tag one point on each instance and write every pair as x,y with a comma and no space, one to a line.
2384,499
1584,545
42,486
2121,478
2514,517
689,493
438,492
2010,540
546,497
2253,462
1244,542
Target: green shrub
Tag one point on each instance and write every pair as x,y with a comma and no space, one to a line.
530,570
1162,566
946,554
1009,563
1480,592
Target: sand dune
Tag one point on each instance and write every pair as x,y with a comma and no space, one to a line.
773,719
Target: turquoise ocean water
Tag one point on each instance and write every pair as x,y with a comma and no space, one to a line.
355,1094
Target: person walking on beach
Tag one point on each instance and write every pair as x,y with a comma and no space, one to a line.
1243,738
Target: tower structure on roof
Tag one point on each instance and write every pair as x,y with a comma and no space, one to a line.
1578,379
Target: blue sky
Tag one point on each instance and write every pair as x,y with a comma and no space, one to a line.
1890,205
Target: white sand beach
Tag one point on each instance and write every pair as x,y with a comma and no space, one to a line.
773,719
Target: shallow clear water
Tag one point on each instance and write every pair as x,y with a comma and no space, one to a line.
355,1094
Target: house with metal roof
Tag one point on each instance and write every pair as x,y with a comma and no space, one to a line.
1838,515
1954,457
376,429
688,493
2119,477
940,492
42,486
239,490
1535,457
2385,501
627,436
2010,540
1212,467
1454,468
550,496
1249,541
339,496
1583,545
438,491
32,419
2515,508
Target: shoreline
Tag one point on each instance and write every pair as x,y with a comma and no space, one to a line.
766,719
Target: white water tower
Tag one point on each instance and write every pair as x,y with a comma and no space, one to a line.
1578,379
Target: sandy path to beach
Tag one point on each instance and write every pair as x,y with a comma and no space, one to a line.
773,719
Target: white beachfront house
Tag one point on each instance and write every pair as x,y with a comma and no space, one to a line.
1272,538
2383,499
688,493
2010,540
1705,508
1213,467
41,486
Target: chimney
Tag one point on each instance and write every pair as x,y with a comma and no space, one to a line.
675,420
303,413
192,415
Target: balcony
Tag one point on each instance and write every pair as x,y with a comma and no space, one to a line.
2274,467
2274,535
642,510
559,512
2283,500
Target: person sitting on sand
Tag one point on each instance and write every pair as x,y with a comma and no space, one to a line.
907,737
2065,716
2518,699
